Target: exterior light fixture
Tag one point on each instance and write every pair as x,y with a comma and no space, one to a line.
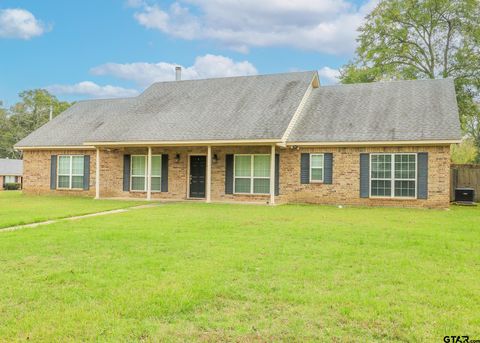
215,158
177,158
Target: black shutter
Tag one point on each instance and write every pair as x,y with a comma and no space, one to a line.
164,173
328,168
422,175
277,174
53,172
4,179
364,175
305,168
229,174
126,173
86,172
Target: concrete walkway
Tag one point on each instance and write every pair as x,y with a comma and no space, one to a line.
96,214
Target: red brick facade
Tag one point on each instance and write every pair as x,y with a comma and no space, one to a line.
343,190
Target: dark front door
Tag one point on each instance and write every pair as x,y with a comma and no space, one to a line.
198,170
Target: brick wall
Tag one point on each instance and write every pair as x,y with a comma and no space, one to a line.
111,172
36,172
344,190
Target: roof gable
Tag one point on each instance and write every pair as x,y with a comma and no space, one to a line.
239,108
419,110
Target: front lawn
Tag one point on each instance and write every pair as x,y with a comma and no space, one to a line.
17,208
210,272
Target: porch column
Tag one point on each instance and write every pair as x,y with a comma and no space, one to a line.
149,174
272,176
97,175
209,174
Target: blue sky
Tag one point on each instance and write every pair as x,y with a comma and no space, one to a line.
111,48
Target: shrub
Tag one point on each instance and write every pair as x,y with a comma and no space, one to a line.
12,186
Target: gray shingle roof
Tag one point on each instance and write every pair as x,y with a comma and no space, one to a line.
76,125
381,111
243,108
250,107
11,167
261,107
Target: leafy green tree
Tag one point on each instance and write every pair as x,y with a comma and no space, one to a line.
418,39
465,152
5,133
31,112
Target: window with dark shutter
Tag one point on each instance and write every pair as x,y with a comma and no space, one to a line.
126,173
277,174
165,173
229,174
53,172
328,168
364,175
86,172
422,175
305,168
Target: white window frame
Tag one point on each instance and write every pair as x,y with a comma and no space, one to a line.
146,174
392,178
10,176
159,174
322,168
70,175
251,177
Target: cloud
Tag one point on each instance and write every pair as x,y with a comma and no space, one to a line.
135,3
20,23
328,75
144,74
93,90
327,26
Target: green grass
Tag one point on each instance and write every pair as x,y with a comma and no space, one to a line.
197,272
17,208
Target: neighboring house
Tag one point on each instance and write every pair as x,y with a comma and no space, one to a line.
273,138
11,171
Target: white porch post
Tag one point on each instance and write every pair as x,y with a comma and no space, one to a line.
272,176
97,175
149,174
209,173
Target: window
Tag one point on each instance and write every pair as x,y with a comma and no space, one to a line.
138,173
393,175
9,179
252,174
405,175
316,167
70,171
157,173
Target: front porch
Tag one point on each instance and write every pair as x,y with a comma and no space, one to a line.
209,173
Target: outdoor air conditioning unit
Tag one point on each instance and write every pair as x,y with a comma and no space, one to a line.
464,195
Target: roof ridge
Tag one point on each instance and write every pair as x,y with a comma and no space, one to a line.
300,107
382,82
106,99
234,77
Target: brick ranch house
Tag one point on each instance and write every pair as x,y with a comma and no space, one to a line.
272,139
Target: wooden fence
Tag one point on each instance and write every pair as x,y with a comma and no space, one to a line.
465,175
